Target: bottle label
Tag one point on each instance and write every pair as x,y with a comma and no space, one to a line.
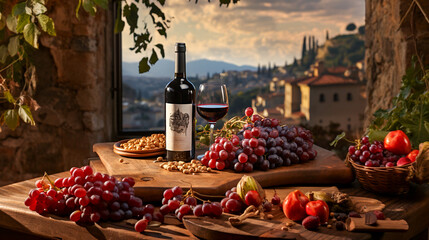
178,129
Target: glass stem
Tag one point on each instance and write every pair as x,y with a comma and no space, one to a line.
211,133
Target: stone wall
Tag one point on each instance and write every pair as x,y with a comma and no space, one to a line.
73,90
389,48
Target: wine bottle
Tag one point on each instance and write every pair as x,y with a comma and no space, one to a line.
180,112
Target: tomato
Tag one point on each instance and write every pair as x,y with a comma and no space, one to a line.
294,205
397,142
318,208
412,155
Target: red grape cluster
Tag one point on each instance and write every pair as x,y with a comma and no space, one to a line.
88,197
173,202
261,144
232,203
372,154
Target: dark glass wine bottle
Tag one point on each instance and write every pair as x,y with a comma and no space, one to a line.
180,112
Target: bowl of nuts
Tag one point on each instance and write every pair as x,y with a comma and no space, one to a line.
146,146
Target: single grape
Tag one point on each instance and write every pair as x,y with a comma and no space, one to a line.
233,205
177,190
173,204
242,158
207,209
248,111
141,225
216,209
168,194
75,216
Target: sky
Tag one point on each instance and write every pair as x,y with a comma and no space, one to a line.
250,32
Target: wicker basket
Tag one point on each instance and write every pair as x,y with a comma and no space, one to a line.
387,180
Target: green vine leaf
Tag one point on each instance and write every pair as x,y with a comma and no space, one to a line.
8,96
23,20
11,119
153,58
131,15
18,9
4,53
143,65
161,49
25,114
13,46
102,3
89,6
31,34
11,23
47,24
39,8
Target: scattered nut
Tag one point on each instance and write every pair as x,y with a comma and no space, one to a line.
270,216
329,226
121,160
332,214
290,224
285,228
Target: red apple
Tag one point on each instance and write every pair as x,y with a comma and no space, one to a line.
294,205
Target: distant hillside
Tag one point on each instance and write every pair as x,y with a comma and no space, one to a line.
164,68
342,50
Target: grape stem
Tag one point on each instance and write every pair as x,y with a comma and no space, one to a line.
50,181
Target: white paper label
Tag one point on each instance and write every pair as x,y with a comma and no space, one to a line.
178,129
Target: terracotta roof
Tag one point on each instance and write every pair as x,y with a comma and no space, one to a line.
337,70
327,79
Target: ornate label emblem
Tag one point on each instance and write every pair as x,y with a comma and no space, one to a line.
179,122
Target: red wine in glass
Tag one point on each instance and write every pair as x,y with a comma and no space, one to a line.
213,111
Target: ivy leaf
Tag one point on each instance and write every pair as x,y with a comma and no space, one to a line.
31,34
11,23
47,24
3,54
11,118
153,58
102,3
161,49
18,9
25,114
131,14
23,20
156,10
39,8
13,46
143,66
89,6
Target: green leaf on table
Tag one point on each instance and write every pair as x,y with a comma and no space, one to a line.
25,114
102,3
143,65
39,8
337,138
8,96
31,34
13,46
47,24
131,15
18,9
23,20
11,118
11,23
161,49
89,6
4,53
153,58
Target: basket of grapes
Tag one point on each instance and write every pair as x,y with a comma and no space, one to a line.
383,167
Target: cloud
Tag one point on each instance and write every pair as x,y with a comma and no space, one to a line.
253,31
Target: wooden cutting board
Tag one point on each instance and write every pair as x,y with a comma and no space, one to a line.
151,180
253,228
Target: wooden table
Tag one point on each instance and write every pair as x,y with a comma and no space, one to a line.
18,222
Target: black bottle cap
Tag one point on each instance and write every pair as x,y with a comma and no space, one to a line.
180,47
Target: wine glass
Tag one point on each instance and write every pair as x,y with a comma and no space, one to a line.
212,103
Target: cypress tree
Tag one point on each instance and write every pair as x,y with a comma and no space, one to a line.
304,48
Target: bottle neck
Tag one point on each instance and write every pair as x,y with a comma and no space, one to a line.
180,69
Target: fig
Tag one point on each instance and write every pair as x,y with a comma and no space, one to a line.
311,222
